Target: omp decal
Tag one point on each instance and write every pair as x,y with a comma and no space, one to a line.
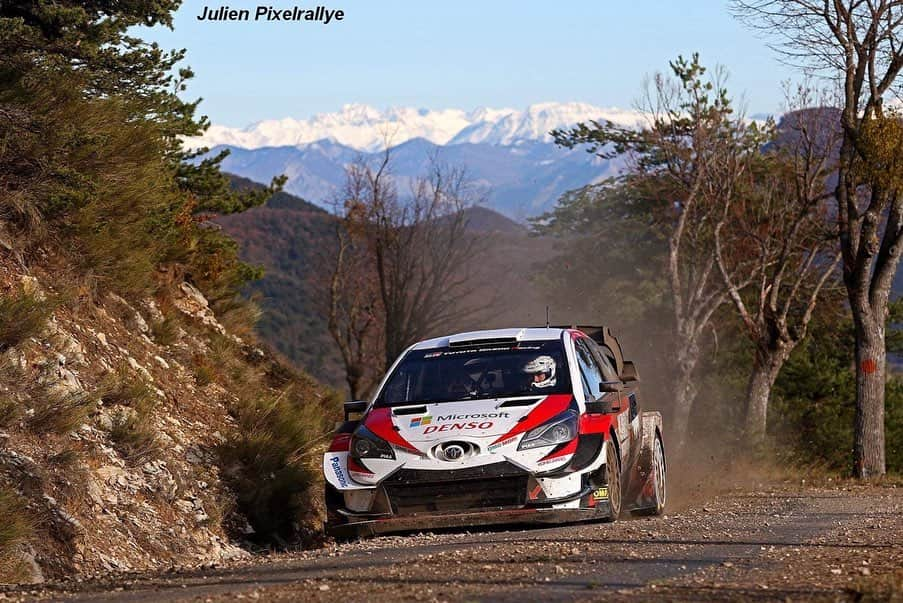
337,469
600,493
458,426
340,443
421,421
379,421
355,467
545,410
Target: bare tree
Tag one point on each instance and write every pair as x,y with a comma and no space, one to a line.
355,318
403,266
688,160
425,256
776,235
858,44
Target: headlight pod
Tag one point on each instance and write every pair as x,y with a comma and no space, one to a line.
561,429
367,445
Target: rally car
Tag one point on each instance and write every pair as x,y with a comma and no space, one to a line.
511,426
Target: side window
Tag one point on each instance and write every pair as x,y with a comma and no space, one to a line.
604,360
588,368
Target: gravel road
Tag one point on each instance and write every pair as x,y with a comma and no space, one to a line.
782,543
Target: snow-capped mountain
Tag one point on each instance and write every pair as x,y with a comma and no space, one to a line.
364,128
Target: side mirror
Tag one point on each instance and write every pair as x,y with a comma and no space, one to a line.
628,373
600,406
356,407
610,386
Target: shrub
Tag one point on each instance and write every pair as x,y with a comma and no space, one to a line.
22,315
121,387
133,434
165,331
265,459
131,431
58,412
15,529
10,410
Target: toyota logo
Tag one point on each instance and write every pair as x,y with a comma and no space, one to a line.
454,452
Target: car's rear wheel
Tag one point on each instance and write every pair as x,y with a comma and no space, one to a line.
658,469
659,481
612,481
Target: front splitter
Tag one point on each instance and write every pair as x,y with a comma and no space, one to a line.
433,521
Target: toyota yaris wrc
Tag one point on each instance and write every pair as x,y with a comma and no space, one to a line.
529,425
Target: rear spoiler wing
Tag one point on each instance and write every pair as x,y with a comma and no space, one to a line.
602,335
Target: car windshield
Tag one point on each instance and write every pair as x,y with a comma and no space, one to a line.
477,372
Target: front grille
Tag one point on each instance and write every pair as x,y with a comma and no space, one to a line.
474,494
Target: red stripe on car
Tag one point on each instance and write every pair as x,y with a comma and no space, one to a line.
548,408
570,448
354,467
340,443
595,423
379,421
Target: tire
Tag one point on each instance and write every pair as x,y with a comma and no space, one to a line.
660,490
612,482
659,484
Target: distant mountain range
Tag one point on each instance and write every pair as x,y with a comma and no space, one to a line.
507,153
364,128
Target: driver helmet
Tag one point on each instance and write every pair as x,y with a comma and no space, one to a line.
542,372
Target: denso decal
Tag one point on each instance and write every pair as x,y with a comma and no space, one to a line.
339,474
458,426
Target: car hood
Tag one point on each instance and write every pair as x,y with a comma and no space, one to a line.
418,426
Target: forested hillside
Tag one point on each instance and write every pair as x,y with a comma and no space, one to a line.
142,424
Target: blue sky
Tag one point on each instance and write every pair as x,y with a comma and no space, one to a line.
462,54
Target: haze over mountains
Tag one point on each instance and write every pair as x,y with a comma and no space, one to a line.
507,152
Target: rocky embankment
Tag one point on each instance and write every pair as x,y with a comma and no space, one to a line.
132,482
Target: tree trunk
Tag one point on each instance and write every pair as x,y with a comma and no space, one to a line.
871,357
685,395
766,367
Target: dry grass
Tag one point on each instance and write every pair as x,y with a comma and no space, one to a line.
58,412
132,430
133,435
15,529
281,421
165,332
886,587
22,315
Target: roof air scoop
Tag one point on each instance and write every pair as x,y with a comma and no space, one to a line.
498,336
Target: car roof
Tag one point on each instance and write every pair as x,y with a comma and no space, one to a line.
491,336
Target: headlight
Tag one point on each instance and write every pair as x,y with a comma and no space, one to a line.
559,430
366,445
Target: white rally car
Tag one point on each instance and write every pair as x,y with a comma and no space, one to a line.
530,425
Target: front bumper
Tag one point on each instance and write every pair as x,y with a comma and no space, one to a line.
431,521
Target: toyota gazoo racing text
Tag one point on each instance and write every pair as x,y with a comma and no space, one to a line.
504,426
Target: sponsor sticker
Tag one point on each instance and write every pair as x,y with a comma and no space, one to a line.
494,447
477,415
421,421
459,426
339,474
600,494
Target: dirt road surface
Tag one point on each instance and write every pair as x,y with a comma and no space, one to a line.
786,543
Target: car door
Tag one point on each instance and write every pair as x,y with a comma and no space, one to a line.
629,423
